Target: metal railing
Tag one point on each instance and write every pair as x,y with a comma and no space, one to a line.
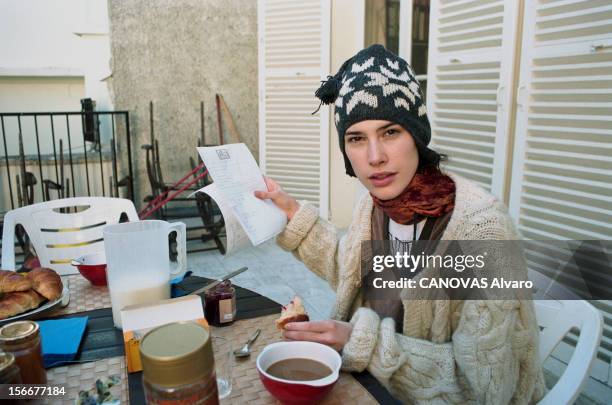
68,153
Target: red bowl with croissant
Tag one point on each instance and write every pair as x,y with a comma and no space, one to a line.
92,267
292,386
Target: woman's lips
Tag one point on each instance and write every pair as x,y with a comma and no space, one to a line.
382,179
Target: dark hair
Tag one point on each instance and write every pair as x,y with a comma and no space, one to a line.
429,158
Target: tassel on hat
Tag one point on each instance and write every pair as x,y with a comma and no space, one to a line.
330,89
328,92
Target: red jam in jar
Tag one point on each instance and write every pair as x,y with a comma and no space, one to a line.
220,304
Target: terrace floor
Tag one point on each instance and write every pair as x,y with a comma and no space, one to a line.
272,272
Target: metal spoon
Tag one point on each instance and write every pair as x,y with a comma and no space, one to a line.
246,349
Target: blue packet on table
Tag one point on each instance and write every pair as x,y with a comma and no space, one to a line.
61,339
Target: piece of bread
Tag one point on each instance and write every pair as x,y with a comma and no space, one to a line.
294,311
15,303
11,281
46,282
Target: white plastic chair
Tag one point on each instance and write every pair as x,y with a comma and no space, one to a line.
557,317
60,237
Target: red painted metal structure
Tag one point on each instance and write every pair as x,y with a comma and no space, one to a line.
172,192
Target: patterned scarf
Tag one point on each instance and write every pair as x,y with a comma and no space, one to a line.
430,194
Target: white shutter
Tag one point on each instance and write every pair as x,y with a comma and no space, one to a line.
562,175
294,56
471,56
562,170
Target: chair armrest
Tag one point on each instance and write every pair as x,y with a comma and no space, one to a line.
569,386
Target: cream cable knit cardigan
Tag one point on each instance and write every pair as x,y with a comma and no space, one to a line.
471,351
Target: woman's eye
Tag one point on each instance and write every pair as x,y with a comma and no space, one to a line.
392,132
355,139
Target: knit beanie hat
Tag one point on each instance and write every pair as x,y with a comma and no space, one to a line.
376,84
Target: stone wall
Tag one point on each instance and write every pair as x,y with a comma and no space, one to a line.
176,54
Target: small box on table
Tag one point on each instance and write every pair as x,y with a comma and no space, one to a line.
137,320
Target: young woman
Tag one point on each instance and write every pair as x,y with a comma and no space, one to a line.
424,351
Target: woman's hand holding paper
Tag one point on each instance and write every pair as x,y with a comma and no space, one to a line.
279,197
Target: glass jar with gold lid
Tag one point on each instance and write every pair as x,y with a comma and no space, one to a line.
22,340
178,366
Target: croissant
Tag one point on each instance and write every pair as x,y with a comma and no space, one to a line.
15,303
46,282
11,281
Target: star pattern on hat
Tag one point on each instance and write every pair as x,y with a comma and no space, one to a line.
357,68
392,65
422,110
346,87
376,79
394,88
344,90
414,87
363,97
404,76
380,79
400,102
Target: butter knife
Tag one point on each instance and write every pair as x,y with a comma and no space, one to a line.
217,282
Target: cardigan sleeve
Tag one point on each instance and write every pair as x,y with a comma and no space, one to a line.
314,241
479,364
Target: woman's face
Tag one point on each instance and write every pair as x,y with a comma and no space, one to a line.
383,155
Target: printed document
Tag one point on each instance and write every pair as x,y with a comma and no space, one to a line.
236,177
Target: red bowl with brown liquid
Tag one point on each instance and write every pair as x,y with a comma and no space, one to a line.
298,392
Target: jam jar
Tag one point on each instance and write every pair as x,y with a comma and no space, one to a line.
220,304
178,366
22,340
9,372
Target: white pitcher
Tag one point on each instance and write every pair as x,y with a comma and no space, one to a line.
138,263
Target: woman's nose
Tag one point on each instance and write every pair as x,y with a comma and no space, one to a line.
376,154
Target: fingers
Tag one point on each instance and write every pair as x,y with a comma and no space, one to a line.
323,338
267,195
328,332
312,326
271,184
280,198
262,195
273,190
